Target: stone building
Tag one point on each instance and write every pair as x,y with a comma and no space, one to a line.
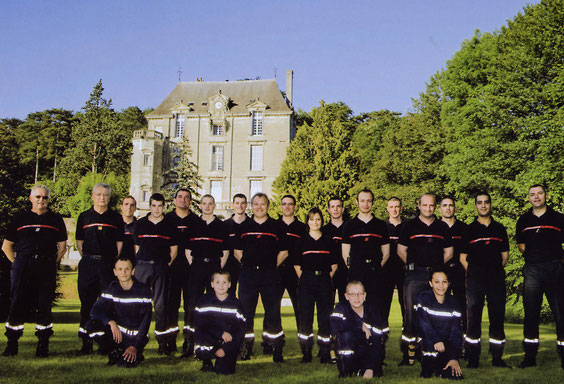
238,132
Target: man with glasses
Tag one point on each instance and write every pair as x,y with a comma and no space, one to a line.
35,243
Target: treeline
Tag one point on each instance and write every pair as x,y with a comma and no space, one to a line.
67,151
492,120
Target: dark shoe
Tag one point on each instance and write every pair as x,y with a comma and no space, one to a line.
163,349
207,366
500,363
324,356
171,345
187,349
86,347
528,362
114,356
244,353
406,362
473,364
42,349
277,355
267,349
11,349
307,356
378,372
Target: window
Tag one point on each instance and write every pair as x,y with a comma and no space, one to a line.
256,157
216,189
179,132
256,186
217,130
146,195
147,160
217,158
257,123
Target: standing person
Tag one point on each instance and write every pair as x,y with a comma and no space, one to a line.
234,223
438,318
316,264
334,229
359,331
261,248
295,229
454,269
539,236
35,243
99,239
207,250
156,247
120,319
128,207
366,248
424,244
220,326
484,253
394,269
184,220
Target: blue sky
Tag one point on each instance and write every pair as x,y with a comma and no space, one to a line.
369,54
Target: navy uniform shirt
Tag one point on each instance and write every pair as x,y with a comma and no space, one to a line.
261,243
36,234
154,240
183,226
100,233
439,323
208,240
336,234
365,240
425,243
457,233
128,248
316,255
294,231
130,309
344,318
393,232
212,317
233,232
542,236
484,245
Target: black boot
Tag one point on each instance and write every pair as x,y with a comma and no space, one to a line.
207,366
42,349
266,349
307,356
163,348
473,351
86,347
11,348
277,354
561,353
325,356
246,351
114,356
187,348
530,359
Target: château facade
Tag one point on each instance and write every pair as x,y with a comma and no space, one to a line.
238,131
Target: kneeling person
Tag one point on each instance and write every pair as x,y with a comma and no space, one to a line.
359,332
120,319
219,326
438,319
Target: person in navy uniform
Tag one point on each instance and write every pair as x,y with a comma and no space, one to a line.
156,247
424,244
316,263
484,253
334,229
184,220
219,326
295,229
120,319
261,248
455,271
99,239
359,332
239,206
366,248
438,318
128,207
35,243
539,234
207,250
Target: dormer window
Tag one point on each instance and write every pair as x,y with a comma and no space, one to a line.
179,130
217,130
256,128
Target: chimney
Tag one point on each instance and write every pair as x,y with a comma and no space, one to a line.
289,85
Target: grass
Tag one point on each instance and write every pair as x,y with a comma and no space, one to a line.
63,366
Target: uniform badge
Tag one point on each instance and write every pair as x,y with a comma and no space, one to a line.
259,236
366,239
100,227
37,229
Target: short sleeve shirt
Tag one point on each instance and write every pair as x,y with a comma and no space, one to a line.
100,233
154,240
365,239
425,243
543,236
336,234
208,240
36,234
316,255
484,244
261,243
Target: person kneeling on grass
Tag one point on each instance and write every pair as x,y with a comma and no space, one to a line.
438,320
219,327
121,317
359,332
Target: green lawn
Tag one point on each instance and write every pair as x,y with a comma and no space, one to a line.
63,366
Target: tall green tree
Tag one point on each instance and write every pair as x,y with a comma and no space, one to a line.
132,119
320,161
101,143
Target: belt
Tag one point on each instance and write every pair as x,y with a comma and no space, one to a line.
206,259
258,268
316,273
93,257
146,262
413,267
34,256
